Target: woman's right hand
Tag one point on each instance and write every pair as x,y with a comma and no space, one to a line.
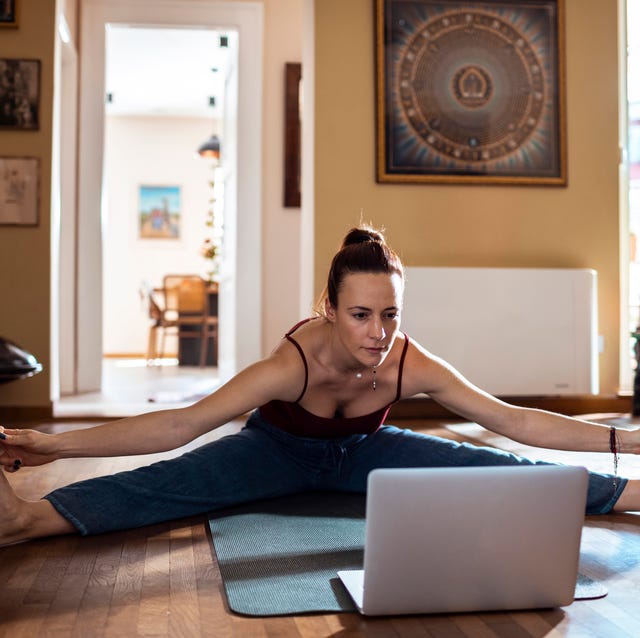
21,448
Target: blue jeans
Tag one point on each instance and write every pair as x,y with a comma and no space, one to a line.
262,461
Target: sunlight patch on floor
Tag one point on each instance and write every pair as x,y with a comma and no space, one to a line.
130,386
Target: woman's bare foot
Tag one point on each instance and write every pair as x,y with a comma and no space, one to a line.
13,510
22,520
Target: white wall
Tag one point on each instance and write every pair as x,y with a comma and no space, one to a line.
148,151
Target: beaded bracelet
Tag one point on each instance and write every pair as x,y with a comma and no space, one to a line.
614,447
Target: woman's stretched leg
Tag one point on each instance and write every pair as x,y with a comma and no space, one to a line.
235,469
395,447
238,468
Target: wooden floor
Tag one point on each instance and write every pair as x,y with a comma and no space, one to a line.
163,580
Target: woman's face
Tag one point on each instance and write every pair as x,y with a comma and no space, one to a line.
367,318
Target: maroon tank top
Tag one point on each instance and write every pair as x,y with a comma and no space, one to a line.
294,419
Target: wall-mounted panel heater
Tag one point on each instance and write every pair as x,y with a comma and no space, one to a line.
510,331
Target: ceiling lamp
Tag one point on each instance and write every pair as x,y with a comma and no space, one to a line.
210,148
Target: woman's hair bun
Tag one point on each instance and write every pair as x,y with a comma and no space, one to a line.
364,250
362,235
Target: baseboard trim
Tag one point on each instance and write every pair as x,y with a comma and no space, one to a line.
22,413
426,408
135,355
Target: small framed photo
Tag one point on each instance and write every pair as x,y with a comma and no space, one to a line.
159,212
19,191
8,17
19,94
471,91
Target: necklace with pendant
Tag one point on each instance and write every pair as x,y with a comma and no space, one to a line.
373,370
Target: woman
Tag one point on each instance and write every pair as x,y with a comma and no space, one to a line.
318,404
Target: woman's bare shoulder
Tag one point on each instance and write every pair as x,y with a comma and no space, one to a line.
290,361
308,335
278,376
422,370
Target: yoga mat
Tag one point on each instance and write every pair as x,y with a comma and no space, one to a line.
280,556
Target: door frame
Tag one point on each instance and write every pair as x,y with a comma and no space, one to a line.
241,289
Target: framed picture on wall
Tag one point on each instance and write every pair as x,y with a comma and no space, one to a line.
292,135
470,92
8,17
19,191
159,212
19,94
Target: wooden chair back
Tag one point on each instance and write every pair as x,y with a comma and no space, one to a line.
185,294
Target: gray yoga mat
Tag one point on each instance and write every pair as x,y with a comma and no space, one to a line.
280,556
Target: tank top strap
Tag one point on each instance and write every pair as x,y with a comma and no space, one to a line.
289,338
401,366
300,323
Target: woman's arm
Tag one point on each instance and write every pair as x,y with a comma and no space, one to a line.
277,377
530,426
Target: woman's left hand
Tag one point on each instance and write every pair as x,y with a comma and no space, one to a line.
25,447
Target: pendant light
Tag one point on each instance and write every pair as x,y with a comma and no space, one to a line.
210,148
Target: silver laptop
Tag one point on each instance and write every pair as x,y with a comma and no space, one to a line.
442,540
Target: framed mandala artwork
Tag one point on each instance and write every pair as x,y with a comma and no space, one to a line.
470,92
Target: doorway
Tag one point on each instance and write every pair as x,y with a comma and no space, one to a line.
240,280
164,96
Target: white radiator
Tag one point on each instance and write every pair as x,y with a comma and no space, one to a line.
510,331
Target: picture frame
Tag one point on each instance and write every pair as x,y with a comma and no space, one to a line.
19,191
8,14
470,92
292,135
159,211
20,94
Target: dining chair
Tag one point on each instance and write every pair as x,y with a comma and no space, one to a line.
186,306
160,320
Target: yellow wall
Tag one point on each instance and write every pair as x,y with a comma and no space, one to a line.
24,251
470,225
